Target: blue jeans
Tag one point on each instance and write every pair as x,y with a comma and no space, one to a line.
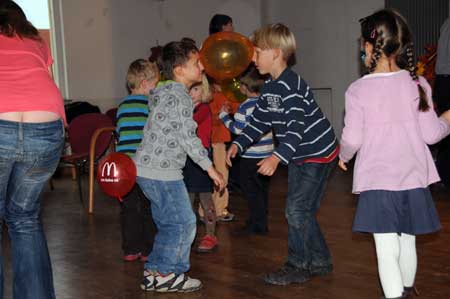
29,154
307,248
176,224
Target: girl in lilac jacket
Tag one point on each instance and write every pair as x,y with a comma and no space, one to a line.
389,122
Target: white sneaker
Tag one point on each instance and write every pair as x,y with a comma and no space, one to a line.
176,283
148,283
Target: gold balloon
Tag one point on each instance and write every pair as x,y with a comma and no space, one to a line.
231,89
225,55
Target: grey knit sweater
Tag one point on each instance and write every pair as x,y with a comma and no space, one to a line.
169,134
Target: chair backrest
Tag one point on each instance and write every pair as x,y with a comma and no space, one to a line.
112,113
83,127
77,108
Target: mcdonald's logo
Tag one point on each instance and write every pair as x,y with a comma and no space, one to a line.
108,166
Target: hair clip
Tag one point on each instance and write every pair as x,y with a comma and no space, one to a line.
373,34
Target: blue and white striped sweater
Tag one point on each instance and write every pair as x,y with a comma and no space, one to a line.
287,106
263,148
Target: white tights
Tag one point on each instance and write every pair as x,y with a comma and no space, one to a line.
397,262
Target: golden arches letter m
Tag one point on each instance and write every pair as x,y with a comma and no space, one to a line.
108,166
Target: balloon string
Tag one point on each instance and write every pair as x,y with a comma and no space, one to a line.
120,199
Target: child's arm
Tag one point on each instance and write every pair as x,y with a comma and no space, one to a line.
432,127
240,120
188,139
192,145
259,123
352,134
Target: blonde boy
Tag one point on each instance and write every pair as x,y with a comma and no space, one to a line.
306,143
138,230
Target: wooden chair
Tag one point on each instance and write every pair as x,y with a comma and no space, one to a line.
80,132
92,160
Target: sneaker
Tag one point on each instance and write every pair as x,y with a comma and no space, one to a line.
148,283
176,283
131,257
207,244
226,217
286,275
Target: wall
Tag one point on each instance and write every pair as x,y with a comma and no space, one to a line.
327,34
102,37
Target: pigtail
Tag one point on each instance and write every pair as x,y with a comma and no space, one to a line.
423,103
377,51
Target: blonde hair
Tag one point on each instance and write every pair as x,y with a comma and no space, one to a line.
275,36
140,70
206,90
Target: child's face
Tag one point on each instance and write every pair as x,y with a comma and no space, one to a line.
264,59
228,27
368,49
196,93
243,89
192,70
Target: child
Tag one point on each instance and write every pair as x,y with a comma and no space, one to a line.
219,137
197,181
389,121
254,185
170,134
306,143
138,230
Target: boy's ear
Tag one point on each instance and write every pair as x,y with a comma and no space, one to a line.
277,53
178,71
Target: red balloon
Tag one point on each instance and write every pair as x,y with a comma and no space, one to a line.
116,175
226,54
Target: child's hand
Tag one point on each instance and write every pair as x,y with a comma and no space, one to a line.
231,153
225,108
446,115
268,165
342,165
217,177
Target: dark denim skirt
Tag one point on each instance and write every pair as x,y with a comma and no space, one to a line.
195,178
409,211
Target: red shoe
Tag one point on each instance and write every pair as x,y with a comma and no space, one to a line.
207,244
131,257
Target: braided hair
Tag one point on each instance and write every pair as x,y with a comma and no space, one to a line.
388,32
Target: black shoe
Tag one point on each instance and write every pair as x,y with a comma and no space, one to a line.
286,275
321,271
247,230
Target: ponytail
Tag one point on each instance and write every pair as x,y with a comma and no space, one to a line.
423,102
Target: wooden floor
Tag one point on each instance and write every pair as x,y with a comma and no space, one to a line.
86,254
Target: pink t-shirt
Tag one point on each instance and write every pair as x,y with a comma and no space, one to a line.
389,134
25,82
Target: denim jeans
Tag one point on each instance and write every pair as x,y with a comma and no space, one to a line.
307,248
256,191
175,222
29,154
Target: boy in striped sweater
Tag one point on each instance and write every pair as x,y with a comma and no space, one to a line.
138,229
306,143
254,185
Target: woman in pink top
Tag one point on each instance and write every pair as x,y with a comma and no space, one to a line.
389,121
31,140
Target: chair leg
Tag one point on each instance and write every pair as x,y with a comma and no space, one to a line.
74,172
80,190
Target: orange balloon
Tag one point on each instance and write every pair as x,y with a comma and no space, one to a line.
225,55
231,89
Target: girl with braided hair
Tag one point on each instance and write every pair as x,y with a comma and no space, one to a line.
389,121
